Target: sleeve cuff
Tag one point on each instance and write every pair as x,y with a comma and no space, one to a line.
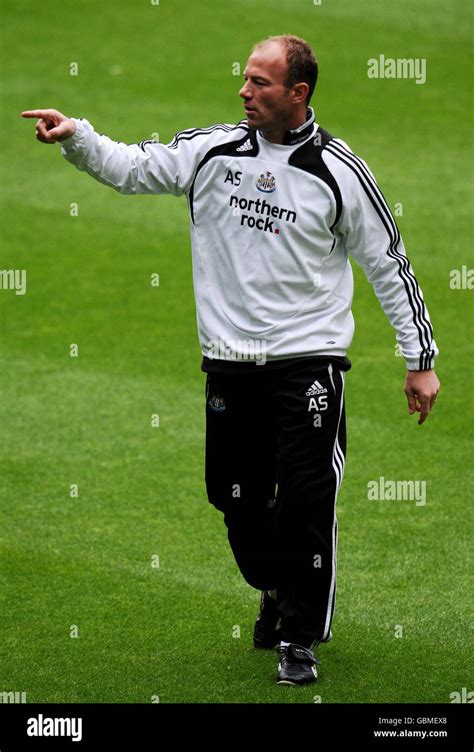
414,364
70,144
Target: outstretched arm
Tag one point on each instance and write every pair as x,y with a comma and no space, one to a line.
147,167
128,168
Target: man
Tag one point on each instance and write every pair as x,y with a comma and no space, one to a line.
277,205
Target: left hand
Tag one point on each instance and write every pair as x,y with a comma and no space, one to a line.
421,389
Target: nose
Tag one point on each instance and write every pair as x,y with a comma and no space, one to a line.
244,91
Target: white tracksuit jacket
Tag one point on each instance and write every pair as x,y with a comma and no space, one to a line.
272,228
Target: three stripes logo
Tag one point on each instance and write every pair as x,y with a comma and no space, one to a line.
316,388
245,147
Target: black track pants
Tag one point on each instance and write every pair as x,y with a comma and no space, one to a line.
275,450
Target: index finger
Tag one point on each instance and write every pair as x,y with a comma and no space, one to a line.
36,113
425,409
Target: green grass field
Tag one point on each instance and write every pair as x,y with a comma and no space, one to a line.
168,630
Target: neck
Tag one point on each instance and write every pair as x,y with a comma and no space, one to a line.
277,133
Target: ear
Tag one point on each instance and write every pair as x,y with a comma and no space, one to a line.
300,93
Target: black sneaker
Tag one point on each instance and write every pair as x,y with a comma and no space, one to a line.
297,665
266,632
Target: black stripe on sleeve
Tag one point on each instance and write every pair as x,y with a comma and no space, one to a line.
379,203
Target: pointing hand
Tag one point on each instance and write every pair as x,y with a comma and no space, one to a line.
52,125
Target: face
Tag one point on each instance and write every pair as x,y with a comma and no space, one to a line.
267,102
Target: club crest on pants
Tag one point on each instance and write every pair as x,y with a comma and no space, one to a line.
217,403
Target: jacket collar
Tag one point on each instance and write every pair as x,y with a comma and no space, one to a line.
296,135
